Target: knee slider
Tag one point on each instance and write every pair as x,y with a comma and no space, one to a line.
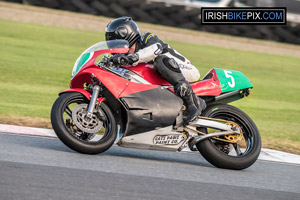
171,64
163,62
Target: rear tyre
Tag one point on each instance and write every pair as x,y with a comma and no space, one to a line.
229,155
62,119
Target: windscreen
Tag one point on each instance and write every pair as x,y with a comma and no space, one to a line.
88,54
111,44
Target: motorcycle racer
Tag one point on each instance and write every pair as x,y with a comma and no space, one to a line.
170,64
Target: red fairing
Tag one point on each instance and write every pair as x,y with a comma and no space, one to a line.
208,87
117,85
148,73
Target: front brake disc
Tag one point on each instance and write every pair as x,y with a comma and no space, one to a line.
92,125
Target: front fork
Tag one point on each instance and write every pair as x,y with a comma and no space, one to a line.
92,104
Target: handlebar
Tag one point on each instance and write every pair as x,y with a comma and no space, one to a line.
122,61
107,61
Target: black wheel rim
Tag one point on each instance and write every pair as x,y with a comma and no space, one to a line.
66,113
241,148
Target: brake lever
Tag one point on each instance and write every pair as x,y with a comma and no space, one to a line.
110,64
105,61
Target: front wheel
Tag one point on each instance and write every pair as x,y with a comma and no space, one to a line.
74,129
242,151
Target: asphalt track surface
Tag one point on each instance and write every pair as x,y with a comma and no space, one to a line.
44,168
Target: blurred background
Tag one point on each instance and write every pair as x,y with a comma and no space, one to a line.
185,14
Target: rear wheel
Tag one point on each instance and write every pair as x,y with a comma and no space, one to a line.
234,151
89,136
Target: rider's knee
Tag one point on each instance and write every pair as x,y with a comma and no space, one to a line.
163,64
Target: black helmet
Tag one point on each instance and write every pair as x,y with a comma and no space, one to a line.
123,28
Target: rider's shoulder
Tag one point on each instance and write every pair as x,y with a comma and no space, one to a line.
145,37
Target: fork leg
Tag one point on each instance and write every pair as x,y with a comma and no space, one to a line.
93,101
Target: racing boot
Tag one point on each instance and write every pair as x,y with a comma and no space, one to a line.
194,105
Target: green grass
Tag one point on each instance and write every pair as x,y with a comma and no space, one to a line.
36,63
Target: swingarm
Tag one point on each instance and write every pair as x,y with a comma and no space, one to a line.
223,128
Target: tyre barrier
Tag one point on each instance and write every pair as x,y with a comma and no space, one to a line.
171,15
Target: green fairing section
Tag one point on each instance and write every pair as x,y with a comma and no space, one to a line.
80,62
231,80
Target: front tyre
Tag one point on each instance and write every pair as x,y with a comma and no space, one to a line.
222,154
68,122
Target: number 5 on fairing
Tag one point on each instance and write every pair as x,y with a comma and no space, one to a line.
227,75
231,80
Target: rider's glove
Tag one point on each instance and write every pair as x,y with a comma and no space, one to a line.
133,59
121,59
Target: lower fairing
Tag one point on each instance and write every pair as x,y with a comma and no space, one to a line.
150,109
159,139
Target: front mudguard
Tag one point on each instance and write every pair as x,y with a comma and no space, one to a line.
79,90
83,92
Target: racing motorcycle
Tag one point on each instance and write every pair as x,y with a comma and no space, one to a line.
134,107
